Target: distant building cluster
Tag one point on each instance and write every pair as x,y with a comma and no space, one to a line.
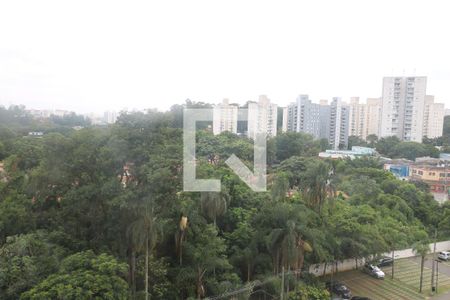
261,117
108,117
355,152
434,172
404,110
47,113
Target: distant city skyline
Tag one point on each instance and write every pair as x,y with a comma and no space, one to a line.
57,55
255,98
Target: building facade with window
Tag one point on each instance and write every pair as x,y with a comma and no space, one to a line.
225,117
262,117
402,110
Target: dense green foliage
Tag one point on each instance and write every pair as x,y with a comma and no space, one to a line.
101,212
394,148
83,276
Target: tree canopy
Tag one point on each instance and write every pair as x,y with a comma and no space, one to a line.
100,213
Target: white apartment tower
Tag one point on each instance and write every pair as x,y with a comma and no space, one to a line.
225,117
433,118
403,107
339,124
110,117
262,118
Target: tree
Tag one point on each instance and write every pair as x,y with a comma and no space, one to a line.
355,141
280,187
385,145
395,237
412,150
295,144
144,234
83,275
15,215
214,204
316,184
27,259
293,167
204,252
243,242
372,139
287,236
324,144
421,247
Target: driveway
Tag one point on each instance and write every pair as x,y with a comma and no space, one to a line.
444,267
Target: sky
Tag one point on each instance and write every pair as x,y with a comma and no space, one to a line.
93,56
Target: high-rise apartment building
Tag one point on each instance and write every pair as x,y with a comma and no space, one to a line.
225,117
403,107
110,117
262,118
324,116
433,118
303,116
357,118
319,120
339,124
284,125
372,118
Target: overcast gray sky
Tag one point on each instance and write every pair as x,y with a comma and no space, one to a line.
103,55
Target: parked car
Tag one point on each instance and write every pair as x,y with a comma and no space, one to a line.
339,289
444,255
360,298
373,271
385,261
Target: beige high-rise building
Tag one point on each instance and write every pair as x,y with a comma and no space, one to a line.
357,118
225,117
262,118
323,102
403,107
373,117
433,118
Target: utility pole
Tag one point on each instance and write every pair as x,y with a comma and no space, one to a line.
282,284
434,262
437,274
392,273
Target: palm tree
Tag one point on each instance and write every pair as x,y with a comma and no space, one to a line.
288,246
214,204
421,248
144,235
317,185
180,236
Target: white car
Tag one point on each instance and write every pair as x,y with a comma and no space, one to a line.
444,255
373,271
